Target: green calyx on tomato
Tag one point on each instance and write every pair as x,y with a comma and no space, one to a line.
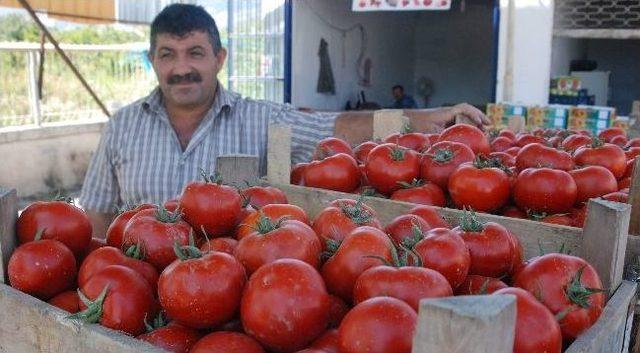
396,260
211,179
579,294
481,162
442,155
59,197
135,252
406,128
469,222
266,225
597,142
331,248
165,216
358,214
187,252
93,313
414,184
397,153
158,322
416,236
39,233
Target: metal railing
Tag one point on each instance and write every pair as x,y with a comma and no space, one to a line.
119,74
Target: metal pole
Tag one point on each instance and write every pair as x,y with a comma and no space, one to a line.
64,56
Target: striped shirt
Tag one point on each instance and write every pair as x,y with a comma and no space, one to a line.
139,158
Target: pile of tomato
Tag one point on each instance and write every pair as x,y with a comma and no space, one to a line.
242,271
545,175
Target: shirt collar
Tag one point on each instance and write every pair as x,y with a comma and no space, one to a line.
224,99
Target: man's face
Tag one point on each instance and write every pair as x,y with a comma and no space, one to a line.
187,68
397,93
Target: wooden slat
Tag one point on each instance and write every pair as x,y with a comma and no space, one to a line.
466,324
387,122
279,154
28,325
533,235
238,169
8,216
634,199
605,240
611,331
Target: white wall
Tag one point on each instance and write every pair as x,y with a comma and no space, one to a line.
524,63
48,159
455,50
389,45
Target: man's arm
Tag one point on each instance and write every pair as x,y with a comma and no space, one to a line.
100,223
357,127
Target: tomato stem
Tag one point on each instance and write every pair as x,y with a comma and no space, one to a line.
357,213
93,313
406,128
416,236
397,153
186,252
211,179
165,216
158,322
579,294
415,183
39,234
469,222
442,155
134,252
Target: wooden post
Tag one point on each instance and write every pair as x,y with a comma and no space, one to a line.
604,240
516,123
8,216
634,199
238,169
279,154
387,122
466,324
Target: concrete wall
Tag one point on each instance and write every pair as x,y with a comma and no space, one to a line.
564,50
44,160
455,50
389,45
524,59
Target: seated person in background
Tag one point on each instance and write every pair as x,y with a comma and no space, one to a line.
402,101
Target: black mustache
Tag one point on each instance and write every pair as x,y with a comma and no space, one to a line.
191,77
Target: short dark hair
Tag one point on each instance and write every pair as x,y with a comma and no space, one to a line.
398,87
181,19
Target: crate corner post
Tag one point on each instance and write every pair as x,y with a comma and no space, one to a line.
238,169
8,216
634,199
387,122
279,154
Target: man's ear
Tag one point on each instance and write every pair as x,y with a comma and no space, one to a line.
150,55
221,58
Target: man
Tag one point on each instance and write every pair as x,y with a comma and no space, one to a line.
153,147
402,101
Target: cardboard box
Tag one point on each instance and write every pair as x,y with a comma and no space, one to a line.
548,117
591,118
499,113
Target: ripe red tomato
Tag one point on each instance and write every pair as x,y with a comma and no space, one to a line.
173,338
42,268
508,134
619,141
273,212
593,181
413,140
201,199
389,164
433,139
424,194
341,270
278,240
607,155
122,296
331,146
579,216
608,134
115,232
361,152
389,324
172,205
431,216
501,144
94,245
67,301
337,310
560,219
155,231
634,142
468,135
536,328
285,305
491,247
59,220
339,172
513,212
523,140
226,245
480,186
187,301
513,151
407,283
328,342
617,197
572,142
536,155
108,256
297,172
341,218
624,183
506,159
446,252
442,159
260,196
564,284
227,342
545,190
407,229
479,285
